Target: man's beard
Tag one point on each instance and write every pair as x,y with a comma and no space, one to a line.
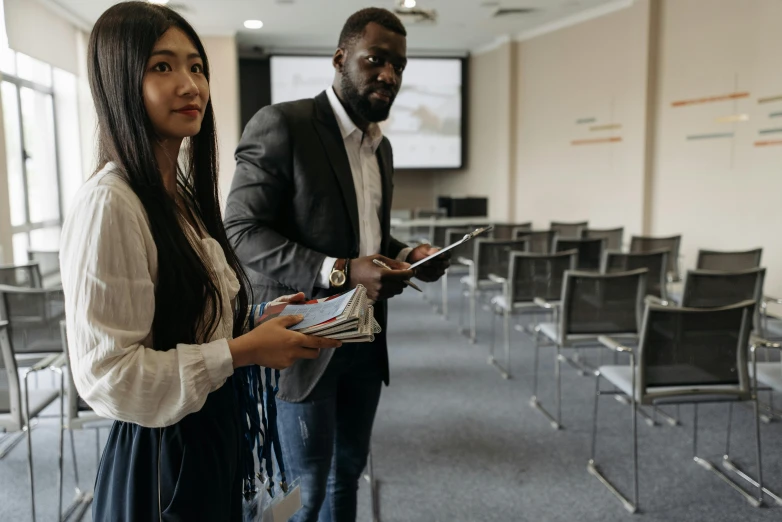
362,105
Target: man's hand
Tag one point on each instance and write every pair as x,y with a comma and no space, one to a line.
380,283
431,270
289,299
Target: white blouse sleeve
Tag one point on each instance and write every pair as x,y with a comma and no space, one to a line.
108,258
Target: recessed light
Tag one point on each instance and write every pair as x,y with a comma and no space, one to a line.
161,2
253,24
409,4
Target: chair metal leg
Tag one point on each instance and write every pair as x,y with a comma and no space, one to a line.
444,296
369,476
60,444
473,314
504,371
29,443
594,469
705,464
732,466
535,403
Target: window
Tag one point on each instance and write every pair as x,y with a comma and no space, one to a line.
31,93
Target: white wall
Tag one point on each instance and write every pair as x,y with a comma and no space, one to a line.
720,193
488,169
224,88
596,69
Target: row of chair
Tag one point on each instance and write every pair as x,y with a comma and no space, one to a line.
32,339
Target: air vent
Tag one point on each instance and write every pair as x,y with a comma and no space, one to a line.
511,11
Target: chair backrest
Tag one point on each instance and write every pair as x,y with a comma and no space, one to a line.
651,244
538,275
49,263
33,315
454,234
508,230
27,275
655,262
590,251
538,241
704,349
602,304
492,256
569,230
729,261
713,289
613,236
11,393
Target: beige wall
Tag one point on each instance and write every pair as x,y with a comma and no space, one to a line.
488,166
720,193
596,69
224,85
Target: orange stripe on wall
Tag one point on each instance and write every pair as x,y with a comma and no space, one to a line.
613,139
710,99
768,143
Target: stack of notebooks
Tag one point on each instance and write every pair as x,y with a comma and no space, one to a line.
348,317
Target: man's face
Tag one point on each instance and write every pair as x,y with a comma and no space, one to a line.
372,71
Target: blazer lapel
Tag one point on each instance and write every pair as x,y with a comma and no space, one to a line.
331,138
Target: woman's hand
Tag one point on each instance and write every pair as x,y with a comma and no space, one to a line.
272,345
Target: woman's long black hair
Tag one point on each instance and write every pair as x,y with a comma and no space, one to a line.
119,49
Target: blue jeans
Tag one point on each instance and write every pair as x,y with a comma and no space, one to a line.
325,438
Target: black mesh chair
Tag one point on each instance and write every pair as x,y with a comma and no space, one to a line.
613,236
19,405
685,355
49,263
729,261
27,275
461,257
529,276
712,289
590,251
655,262
538,241
592,305
652,244
508,230
34,316
569,230
490,256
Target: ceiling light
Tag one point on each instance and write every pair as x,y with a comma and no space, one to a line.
161,2
409,4
253,24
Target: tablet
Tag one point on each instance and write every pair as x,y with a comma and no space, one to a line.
467,237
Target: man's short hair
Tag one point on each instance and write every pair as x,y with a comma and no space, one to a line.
355,25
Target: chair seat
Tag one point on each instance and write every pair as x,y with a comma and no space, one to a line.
483,284
501,302
551,330
769,374
621,376
773,328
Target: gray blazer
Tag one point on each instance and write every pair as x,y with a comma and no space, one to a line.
292,204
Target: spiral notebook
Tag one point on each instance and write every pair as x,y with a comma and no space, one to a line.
348,317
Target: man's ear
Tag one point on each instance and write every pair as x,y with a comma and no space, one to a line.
338,61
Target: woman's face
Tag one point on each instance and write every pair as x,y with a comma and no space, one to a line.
175,88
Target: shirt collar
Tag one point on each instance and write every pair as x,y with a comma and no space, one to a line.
346,125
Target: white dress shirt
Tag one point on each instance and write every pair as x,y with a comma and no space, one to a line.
367,181
109,272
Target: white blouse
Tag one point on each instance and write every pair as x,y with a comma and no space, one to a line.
109,271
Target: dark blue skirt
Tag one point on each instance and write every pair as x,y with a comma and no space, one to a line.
189,471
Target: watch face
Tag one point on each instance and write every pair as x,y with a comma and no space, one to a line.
337,278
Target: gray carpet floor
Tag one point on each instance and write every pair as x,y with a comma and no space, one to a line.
455,442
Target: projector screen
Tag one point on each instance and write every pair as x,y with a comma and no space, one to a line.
425,124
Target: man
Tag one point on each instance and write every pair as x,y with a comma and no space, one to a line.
309,210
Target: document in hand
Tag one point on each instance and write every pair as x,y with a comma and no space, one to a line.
347,317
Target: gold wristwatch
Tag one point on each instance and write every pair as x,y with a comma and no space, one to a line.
339,274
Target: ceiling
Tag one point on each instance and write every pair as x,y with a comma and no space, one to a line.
310,25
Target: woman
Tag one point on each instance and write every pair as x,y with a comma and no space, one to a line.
154,302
